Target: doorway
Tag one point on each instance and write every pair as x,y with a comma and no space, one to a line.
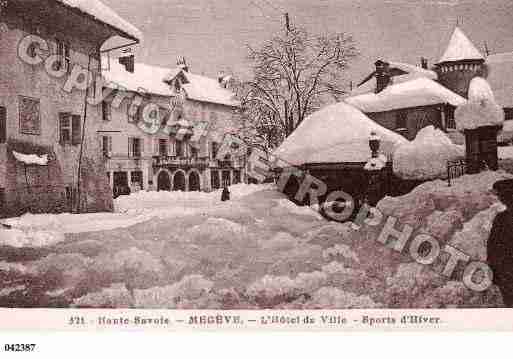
179,181
194,181
163,181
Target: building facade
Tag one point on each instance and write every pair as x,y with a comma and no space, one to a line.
43,102
194,112
421,104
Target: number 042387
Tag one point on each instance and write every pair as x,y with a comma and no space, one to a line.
19,347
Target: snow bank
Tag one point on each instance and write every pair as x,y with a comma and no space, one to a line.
481,108
288,206
31,159
426,156
173,296
19,238
116,296
335,298
505,153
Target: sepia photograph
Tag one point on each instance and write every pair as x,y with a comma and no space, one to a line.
285,155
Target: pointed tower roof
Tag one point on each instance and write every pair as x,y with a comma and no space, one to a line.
460,48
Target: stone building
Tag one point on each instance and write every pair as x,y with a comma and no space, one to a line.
195,113
406,98
43,103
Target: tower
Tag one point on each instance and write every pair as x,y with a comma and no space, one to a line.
459,64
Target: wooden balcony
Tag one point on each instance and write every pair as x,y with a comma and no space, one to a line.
175,162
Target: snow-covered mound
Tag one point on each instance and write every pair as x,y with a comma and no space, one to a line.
259,251
481,108
336,133
426,156
172,201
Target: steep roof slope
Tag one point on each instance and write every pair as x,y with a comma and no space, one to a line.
460,48
202,88
145,78
105,14
417,92
410,72
338,133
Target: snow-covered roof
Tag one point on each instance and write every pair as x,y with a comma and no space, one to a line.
409,68
460,48
144,78
338,133
202,88
500,77
103,13
411,72
418,92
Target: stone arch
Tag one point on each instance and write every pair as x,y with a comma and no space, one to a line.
194,181
163,180
179,181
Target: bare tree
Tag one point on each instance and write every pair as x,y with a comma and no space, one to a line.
293,74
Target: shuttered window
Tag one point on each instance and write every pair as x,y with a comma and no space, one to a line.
76,130
3,125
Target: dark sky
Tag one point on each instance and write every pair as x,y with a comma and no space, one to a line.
212,34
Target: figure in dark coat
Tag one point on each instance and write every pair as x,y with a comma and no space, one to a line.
500,243
225,195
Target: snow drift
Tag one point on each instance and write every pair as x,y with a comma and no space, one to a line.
426,156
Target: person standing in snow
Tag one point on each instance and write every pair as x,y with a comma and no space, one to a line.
225,195
500,243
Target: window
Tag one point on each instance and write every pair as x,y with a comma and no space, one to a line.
236,177
107,146
179,148
64,128
64,53
2,198
68,193
133,112
194,152
214,179
3,125
449,113
30,123
69,129
106,111
401,119
134,147
215,149
163,150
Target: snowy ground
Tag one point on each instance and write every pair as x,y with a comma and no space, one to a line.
183,250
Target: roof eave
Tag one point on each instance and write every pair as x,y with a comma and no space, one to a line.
116,30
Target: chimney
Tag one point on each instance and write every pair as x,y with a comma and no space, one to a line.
182,64
220,77
128,62
382,75
424,63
